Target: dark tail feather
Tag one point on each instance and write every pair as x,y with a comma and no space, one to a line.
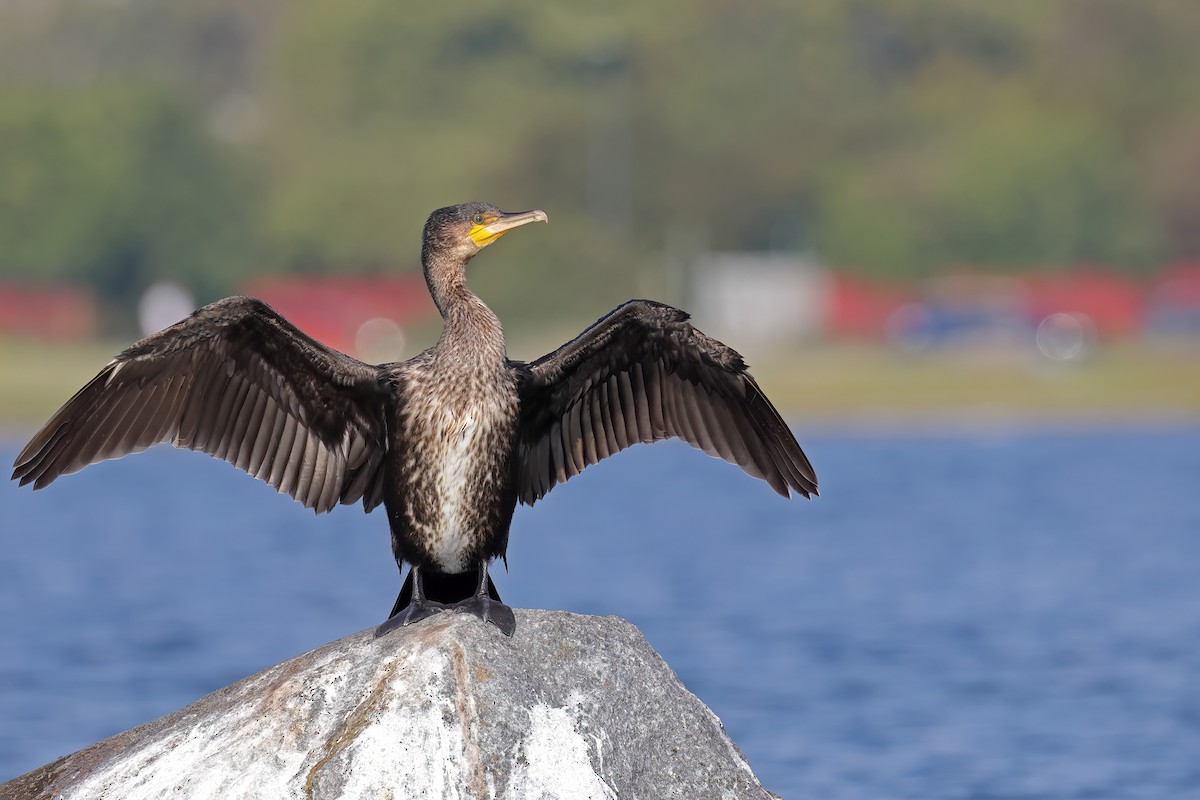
442,588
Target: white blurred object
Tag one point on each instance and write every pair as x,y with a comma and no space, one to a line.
760,299
379,340
163,304
1066,336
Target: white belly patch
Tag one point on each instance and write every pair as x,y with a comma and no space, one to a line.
451,535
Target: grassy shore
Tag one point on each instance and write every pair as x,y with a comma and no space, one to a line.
1118,382
825,382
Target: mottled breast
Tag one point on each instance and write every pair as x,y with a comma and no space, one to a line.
458,429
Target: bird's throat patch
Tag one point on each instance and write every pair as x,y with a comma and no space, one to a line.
483,237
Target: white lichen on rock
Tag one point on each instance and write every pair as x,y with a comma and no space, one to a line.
571,707
557,761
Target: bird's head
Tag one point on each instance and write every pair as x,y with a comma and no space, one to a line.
462,231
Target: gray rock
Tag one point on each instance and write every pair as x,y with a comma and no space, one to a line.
571,707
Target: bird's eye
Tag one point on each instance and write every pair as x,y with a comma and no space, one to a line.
479,219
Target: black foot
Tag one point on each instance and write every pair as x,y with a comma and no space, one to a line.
413,612
489,610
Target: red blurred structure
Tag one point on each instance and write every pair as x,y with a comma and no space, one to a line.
1115,304
56,313
333,310
945,309
860,309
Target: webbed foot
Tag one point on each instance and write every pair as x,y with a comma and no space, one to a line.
413,612
489,610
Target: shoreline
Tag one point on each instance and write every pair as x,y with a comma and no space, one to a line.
843,386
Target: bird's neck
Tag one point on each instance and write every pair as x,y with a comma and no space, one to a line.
466,319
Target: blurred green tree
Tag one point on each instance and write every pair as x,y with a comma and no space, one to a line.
892,137
118,187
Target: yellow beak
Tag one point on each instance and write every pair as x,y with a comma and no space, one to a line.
491,230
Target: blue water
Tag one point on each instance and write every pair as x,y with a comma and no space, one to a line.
983,613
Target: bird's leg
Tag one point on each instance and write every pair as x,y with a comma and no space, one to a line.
482,605
418,608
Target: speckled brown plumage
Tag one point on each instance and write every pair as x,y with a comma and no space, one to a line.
448,441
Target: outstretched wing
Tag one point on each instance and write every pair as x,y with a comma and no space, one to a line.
239,382
640,374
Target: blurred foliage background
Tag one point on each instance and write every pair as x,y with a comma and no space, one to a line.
209,140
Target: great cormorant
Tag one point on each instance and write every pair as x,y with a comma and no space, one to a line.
450,440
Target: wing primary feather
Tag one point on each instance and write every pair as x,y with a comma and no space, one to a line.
616,413
249,418
545,469
691,407
787,469
321,486
716,423
629,412
676,416
262,441
239,419
295,462
147,428
95,432
213,396
607,417
335,486
44,468
803,479
573,430
556,441
641,403
271,451
788,459
39,445
279,461
144,405
29,468
735,435
587,427
774,469
357,452
606,440
752,446
253,430
316,481
235,423
358,480
166,423
654,398
720,425
760,442
222,420
298,462
185,434
356,488
195,403
334,479
795,463
374,495
532,470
